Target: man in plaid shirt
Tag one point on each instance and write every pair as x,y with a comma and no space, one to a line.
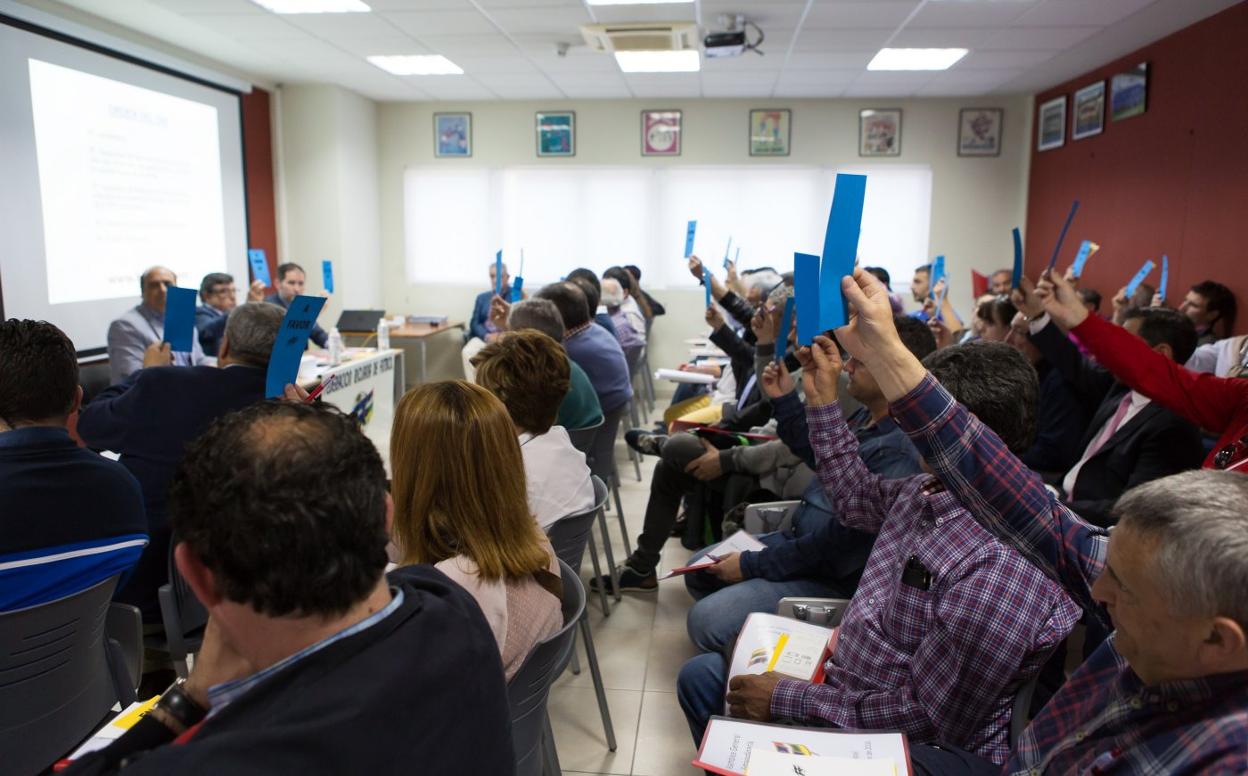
1167,692
947,622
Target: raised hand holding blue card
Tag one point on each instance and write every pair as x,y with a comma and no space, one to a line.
706,283
517,288
259,266
1086,249
327,274
690,230
1139,278
498,273
937,275
292,339
1074,207
180,319
1017,278
840,249
1165,277
806,287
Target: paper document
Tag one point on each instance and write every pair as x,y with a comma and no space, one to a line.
766,762
769,642
677,376
707,351
728,746
116,726
738,542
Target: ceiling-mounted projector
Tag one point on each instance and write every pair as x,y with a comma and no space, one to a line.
733,42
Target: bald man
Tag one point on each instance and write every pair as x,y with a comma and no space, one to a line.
134,339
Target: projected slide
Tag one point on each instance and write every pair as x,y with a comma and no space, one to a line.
128,178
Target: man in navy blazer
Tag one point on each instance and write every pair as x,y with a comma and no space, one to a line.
150,418
479,326
290,280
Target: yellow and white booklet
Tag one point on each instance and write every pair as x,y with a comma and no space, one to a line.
119,724
729,747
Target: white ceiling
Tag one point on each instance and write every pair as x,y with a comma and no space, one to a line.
814,48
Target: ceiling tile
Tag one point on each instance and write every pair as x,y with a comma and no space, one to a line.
197,7
948,90
885,14
512,85
452,88
809,91
768,15
848,40
882,92
1075,13
251,27
397,43
468,45
1038,38
668,12
420,5
507,65
985,78
912,79
424,23
489,4
555,21
973,13
577,61
746,63
811,60
938,37
798,78
982,60
345,25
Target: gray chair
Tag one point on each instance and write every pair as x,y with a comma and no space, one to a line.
124,625
769,516
602,464
59,678
583,440
529,689
568,536
183,617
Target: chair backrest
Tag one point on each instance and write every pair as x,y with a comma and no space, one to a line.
56,685
583,438
569,535
602,453
183,616
529,689
632,356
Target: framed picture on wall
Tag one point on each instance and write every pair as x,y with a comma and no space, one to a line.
556,133
660,132
1128,94
879,132
1051,124
1089,111
452,134
770,131
979,131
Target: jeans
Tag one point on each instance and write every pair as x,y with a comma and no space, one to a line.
700,691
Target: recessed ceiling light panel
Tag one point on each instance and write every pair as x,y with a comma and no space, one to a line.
313,6
416,64
916,58
686,61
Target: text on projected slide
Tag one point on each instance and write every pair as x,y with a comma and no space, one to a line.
128,178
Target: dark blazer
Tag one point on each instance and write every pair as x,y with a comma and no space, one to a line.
1155,443
149,419
1061,419
481,312
318,335
210,324
420,691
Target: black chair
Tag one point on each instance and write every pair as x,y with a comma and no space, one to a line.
529,689
568,536
59,678
602,463
124,625
183,617
583,440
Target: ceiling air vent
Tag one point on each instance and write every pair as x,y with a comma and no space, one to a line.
641,36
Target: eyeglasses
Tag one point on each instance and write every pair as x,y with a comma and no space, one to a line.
1231,453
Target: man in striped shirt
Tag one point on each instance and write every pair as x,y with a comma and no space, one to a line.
1167,691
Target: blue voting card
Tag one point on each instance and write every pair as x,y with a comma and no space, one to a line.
806,287
1139,278
689,232
498,273
937,274
517,286
1165,276
940,302
706,283
327,274
1074,207
259,266
736,258
786,323
1017,279
292,339
840,249
180,319
1086,249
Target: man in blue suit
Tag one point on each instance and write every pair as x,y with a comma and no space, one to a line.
150,417
479,326
217,293
290,280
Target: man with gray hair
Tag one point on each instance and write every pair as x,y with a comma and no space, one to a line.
1167,690
580,408
150,417
135,340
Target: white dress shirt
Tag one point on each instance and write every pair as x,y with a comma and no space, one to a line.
557,476
1138,402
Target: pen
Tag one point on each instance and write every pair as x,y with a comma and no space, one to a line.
316,392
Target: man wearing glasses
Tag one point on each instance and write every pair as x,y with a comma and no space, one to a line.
135,340
218,294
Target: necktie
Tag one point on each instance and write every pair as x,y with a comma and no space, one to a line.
1112,428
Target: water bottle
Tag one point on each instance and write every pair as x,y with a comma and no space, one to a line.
335,347
383,334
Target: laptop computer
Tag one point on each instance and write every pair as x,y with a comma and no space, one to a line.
360,320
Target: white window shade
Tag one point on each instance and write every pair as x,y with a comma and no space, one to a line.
596,217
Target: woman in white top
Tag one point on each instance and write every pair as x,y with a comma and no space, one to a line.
459,503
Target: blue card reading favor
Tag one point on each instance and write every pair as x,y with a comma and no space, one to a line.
259,266
1086,249
1062,236
806,287
1017,279
1165,276
786,323
937,275
292,339
689,232
498,273
517,287
1139,278
327,274
840,249
180,319
706,283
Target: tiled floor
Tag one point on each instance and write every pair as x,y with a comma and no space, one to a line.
641,647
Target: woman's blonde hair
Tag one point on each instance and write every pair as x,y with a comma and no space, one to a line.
458,483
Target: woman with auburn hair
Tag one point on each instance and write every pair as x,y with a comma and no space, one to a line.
459,503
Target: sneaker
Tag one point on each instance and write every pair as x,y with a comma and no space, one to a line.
630,580
645,442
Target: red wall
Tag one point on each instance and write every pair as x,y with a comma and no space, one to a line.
1173,181
258,160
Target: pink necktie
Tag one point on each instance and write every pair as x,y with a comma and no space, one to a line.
1112,428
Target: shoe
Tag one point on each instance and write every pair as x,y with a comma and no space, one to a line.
630,580
645,442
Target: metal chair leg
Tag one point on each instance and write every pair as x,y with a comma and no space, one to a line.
575,662
602,591
619,509
550,756
591,657
606,543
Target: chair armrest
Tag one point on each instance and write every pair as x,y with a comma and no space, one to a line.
817,611
124,625
769,516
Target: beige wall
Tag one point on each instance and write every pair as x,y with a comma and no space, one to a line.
975,201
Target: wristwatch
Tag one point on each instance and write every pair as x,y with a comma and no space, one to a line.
177,704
